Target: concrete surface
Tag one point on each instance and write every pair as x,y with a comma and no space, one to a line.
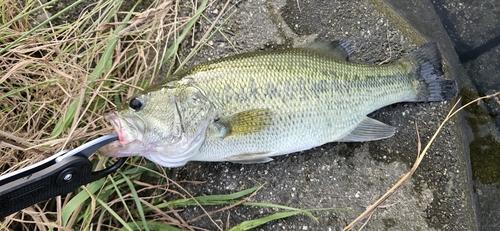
474,29
341,175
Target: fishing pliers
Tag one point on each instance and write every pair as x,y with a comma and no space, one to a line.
57,175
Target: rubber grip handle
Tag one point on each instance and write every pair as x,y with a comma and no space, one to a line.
58,179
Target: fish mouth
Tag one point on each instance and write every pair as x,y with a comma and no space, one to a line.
112,117
129,129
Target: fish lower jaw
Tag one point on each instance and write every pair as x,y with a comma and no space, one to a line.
119,149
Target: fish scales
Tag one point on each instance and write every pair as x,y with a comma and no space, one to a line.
247,108
299,78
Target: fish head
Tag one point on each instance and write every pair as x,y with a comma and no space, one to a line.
166,124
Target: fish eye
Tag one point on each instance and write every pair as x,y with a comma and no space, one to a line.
136,104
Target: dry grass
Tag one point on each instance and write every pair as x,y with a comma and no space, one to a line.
58,80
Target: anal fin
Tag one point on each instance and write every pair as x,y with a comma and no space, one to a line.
369,129
250,158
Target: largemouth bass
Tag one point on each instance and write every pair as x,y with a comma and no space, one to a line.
250,107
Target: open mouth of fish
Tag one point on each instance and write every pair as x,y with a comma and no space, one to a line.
128,129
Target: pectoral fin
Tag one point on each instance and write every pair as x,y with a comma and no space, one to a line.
250,158
368,130
244,123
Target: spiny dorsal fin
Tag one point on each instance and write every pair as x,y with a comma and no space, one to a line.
339,48
368,130
245,122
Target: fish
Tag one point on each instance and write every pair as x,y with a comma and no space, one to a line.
250,107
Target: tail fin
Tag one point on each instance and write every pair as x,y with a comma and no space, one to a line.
427,61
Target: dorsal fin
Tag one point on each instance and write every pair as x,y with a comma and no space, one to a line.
339,48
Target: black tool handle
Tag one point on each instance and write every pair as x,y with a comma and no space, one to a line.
58,179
